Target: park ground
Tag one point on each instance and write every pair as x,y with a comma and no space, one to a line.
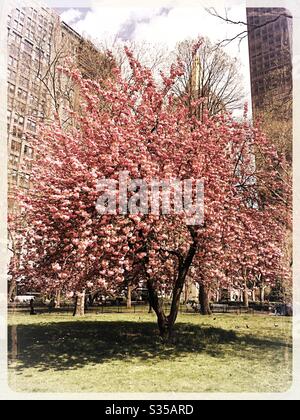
123,353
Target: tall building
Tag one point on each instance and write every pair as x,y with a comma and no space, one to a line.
38,42
270,52
29,44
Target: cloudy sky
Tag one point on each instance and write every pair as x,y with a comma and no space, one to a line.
165,23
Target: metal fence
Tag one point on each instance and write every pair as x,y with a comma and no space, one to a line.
135,308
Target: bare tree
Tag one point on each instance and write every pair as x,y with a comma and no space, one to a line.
245,27
67,48
156,57
211,75
95,63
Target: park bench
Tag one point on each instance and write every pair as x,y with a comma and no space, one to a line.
219,308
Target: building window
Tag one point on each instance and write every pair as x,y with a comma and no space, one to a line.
19,119
11,44
11,88
24,181
39,35
28,151
18,26
26,58
33,100
14,177
17,14
17,132
15,146
39,53
25,69
10,102
16,39
24,82
30,34
31,125
22,94
34,113
20,107
14,160
35,87
27,46
36,64
12,62
12,75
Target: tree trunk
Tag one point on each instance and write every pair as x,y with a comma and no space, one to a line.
166,323
186,292
12,290
156,303
204,300
246,297
79,304
262,294
58,299
129,291
14,343
184,267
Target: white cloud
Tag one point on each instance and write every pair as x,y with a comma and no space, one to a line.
181,22
104,22
70,16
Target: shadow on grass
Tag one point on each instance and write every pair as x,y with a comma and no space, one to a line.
71,345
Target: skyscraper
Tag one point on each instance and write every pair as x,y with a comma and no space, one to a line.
270,52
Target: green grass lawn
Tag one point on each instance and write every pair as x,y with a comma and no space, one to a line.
123,353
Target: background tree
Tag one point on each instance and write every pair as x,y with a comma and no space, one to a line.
209,74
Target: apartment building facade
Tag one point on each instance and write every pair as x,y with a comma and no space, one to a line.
36,39
29,43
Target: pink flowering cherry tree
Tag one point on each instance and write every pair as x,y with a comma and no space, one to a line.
140,129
